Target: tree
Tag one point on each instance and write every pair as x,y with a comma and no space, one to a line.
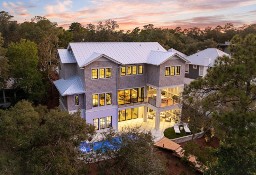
34,140
134,154
8,28
226,96
23,58
4,66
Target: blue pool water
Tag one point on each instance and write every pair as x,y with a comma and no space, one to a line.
114,144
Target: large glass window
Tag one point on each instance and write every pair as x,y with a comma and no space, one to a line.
94,73
121,97
102,123
134,113
177,72
128,114
109,121
95,100
123,71
121,115
127,98
173,70
76,100
102,99
108,72
128,70
102,73
134,95
96,123
140,71
108,98
141,94
167,71
134,70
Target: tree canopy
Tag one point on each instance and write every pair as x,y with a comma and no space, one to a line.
226,98
34,140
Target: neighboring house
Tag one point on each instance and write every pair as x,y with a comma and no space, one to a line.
118,82
200,62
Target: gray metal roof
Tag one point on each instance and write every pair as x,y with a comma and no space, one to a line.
66,56
206,57
123,52
159,57
178,52
120,52
70,86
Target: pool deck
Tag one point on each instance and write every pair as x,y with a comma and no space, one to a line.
143,126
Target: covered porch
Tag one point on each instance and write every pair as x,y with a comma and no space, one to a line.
162,97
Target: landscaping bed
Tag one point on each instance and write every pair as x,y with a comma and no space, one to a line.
170,133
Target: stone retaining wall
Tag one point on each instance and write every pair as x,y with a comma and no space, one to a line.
188,138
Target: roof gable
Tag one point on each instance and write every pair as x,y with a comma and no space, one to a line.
206,57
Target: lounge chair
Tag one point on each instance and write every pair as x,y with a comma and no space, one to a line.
187,130
176,129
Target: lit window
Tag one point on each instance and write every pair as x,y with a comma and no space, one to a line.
95,100
140,71
127,98
120,97
187,68
109,121
108,72
96,123
94,73
134,113
173,70
177,70
102,99
102,123
108,98
141,94
194,66
134,70
129,70
167,71
134,95
76,100
123,71
102,73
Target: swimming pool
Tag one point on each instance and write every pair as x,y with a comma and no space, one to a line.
104,145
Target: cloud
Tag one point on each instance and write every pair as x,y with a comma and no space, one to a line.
137,13
17,8
59,6
202,22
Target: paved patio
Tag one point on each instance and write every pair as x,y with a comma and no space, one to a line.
146,126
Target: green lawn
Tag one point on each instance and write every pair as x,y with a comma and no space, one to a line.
170,133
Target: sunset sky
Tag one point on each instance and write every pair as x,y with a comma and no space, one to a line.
136,13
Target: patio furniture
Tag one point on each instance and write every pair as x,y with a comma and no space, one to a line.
168,119
150,116
176,129
162,115
187,130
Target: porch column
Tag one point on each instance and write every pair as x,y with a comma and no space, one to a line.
145,116
158,97
157,120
